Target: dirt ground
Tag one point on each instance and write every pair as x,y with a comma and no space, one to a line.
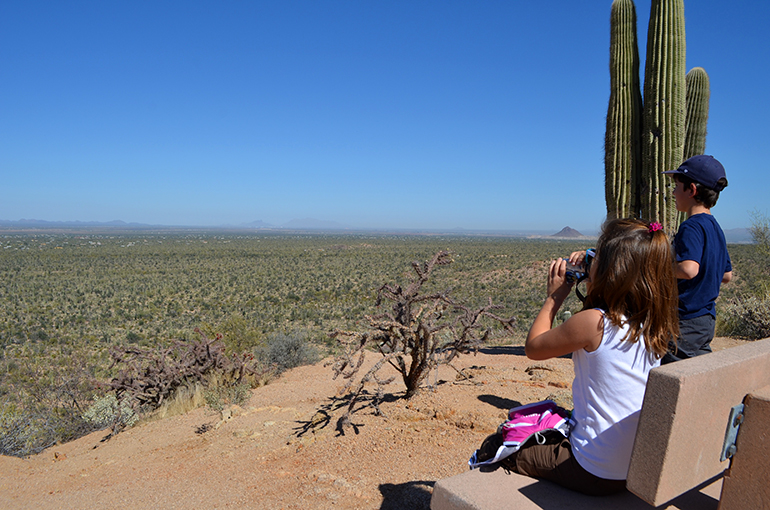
281,450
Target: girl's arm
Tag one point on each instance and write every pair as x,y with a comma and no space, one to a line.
581,331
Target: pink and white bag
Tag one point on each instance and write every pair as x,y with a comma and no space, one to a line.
524,422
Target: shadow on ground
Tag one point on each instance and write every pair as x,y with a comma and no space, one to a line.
515,350
499,402
511,350
413,495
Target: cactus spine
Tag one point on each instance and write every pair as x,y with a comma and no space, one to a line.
664,111
698,94
621,140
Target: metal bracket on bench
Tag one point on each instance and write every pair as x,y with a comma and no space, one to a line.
733,424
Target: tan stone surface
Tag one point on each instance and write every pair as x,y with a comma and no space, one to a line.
502,490
746,482
684,417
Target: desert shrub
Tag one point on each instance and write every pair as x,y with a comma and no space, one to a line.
184,399
108,411
286,351
237,335
19,436
219,396
760,232
42,405
28,431
747,318
745,313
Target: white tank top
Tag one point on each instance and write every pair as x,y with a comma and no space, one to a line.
607,393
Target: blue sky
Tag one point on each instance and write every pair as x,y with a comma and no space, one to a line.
379,114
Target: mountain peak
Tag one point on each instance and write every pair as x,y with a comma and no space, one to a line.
568,232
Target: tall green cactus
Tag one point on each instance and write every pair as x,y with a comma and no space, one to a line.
698,94
697,116
660,144
621,140
664,111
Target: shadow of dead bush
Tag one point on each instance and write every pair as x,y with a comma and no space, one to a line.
413,495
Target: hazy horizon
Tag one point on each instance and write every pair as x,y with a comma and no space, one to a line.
298,223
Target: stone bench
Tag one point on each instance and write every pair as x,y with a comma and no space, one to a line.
676,461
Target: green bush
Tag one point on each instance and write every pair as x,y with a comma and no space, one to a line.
286,351
238,336
760,232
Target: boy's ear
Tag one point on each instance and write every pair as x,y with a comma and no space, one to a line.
692,190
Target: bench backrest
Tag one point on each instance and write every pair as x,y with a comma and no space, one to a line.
684,416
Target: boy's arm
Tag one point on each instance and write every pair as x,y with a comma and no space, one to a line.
728,271
687,269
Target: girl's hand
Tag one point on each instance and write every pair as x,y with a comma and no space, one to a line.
558,288
576,258
582,331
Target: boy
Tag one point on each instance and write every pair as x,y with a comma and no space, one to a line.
703,263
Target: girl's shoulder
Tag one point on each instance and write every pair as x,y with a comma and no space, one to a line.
593,314
588,324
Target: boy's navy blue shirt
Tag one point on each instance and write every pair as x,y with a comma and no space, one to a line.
700,238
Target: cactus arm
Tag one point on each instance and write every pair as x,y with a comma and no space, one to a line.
624,113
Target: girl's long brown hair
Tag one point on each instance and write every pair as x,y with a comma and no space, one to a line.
634,278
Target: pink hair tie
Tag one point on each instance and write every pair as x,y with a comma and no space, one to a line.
654,227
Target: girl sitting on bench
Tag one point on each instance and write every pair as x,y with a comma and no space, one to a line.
628,319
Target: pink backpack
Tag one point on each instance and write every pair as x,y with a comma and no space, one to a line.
523,422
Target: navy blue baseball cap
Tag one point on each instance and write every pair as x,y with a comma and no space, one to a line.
703,169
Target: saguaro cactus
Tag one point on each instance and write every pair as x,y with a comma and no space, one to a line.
622,138
698,94
664,110
697,117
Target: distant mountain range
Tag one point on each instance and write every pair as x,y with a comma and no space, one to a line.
313,224
25,223
296,224
733,236
738,236
257,224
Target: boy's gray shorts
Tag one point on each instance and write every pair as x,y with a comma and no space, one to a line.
695,337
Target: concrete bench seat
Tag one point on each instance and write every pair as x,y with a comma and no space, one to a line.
675,462
500,489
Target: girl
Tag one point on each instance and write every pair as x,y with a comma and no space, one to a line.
629,317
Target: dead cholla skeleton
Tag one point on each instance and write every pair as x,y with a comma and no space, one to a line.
418,334
150,376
